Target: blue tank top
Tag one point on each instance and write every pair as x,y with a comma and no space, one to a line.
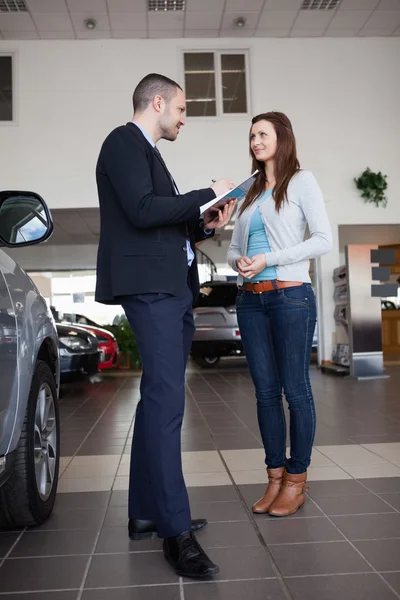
258,242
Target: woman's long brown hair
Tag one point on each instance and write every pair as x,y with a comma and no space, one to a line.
286,161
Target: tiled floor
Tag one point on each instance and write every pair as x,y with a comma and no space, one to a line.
344,543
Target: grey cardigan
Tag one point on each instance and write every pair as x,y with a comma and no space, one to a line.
286,230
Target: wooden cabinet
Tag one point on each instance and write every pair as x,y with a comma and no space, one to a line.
391,331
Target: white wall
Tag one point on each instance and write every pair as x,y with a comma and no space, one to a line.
343,96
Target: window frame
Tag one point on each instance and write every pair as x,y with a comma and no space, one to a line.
13,56
221,116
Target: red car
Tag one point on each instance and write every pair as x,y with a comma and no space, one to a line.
107,345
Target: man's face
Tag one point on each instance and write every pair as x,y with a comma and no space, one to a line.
173,117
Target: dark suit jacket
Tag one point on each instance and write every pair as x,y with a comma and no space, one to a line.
144,223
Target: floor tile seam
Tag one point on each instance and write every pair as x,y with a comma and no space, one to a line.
227,406
376,494
344,541
121,553
284,587
85,401
321,575
89,563
346,467
120,387
141,586
57,590
360,553
3,560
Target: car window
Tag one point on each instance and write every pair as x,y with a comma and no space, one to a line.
220,295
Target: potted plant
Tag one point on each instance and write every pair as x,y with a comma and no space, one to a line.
373,186
129,353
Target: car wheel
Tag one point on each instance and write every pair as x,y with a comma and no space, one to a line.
207,362
28,495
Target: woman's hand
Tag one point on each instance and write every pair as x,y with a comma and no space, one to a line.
250,267
214,218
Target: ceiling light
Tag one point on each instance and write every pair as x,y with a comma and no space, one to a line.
90,23
166,5
240,22
11,6
320,4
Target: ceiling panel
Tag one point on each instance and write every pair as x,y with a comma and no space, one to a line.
350,19
389,5
237,32
313,19
127,34
80,6
52,22
132,21
165,34
168,21
16,22
205,5
283,4
203,20
57,35
97,34
359,4
47,6
203,33
20,35
232,5
383,19
126,6
277,18
307,32
274,32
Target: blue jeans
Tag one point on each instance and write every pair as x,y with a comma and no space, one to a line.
277,329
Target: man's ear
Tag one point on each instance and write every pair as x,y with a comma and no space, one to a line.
158,103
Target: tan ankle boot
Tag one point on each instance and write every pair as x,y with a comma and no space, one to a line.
275,479
291,497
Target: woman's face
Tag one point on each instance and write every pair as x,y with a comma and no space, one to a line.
263,141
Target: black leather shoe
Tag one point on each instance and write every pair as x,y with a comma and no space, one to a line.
140,529
187,557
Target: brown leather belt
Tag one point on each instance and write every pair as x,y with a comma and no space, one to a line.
267,286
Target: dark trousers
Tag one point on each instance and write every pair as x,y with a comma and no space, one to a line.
277,330
163,326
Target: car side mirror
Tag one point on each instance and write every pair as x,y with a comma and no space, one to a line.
24,219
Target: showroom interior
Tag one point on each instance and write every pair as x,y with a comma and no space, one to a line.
67,72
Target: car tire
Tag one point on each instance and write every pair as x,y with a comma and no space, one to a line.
27,497
207,362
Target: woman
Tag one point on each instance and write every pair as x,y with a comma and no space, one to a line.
276,304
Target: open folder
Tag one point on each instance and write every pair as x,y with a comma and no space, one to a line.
237,193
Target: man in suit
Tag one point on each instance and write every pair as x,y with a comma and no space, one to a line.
147,263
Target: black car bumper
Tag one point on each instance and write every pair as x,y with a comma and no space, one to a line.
217,348
85,364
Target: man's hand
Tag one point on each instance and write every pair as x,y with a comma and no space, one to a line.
214,218
250,267
223,186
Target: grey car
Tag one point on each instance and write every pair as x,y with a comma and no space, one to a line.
29,373
217,333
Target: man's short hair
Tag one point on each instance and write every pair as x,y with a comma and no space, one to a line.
153,85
